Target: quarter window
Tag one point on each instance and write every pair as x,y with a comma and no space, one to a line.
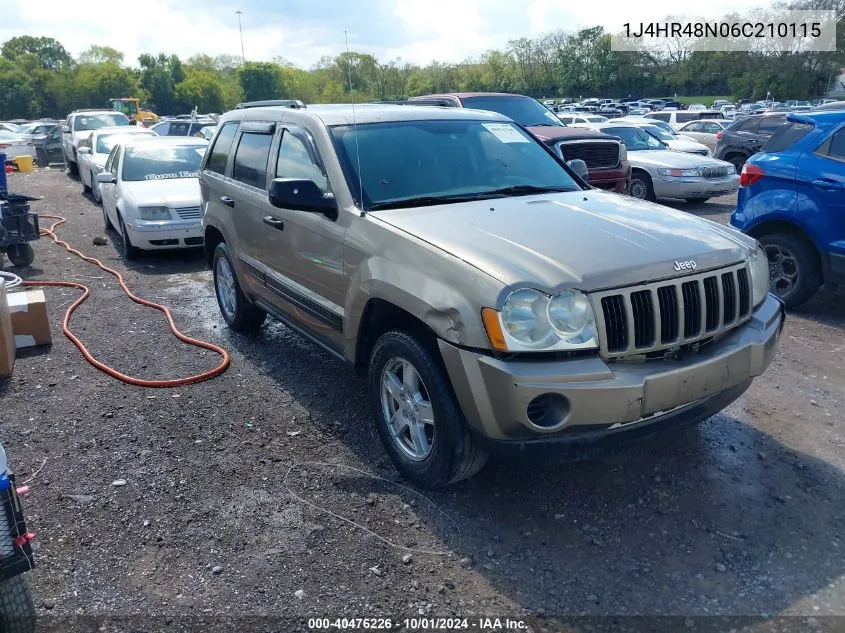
219,155
251,159
296,161
834,146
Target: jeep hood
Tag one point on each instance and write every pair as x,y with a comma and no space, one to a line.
589,240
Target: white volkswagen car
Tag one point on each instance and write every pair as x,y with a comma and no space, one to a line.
151,193
673,141
94,151
658,172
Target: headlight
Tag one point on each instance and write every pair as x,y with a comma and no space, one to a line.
532,321
679,173
154,213
623,152
758,265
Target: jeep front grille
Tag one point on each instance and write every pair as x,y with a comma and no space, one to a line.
665,314
597,154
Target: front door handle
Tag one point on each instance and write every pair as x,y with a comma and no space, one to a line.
827,184
276,223
227,201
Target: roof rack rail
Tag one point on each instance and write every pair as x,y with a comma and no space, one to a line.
434,101
296,104
94,110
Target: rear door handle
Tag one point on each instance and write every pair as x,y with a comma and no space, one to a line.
227,201
827,184
276,223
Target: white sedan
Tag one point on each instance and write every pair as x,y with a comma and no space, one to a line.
94,151
582,119
673,141
151,193
13,145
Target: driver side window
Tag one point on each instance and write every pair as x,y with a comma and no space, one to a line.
114,159
298,160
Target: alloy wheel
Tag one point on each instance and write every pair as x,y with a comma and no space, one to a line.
406,408
783,269
226,291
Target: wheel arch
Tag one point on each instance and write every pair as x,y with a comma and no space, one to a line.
780,225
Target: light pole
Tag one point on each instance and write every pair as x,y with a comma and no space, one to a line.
241,31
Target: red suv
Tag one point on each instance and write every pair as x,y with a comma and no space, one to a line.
605,155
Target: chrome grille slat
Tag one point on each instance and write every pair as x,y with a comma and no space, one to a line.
664,314
188,213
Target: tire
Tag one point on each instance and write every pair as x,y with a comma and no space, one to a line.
72,168
697,200
21,255
41,157
454,453
95,190
17,611
737,160
106,222
129,252
235,308
85,188
788,253
641,187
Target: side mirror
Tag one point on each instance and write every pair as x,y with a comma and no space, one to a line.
301,195
83,150
106,178
579,167
65,129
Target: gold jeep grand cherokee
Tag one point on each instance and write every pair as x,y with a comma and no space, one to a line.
491,298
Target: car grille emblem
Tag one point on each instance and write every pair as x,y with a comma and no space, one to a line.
687,265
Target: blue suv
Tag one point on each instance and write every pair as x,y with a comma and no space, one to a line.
792,199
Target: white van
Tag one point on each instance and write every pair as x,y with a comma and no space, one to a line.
677,118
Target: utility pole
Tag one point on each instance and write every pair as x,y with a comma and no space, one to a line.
241,31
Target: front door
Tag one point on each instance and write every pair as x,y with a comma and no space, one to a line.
304,251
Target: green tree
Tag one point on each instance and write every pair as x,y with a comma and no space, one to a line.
17,98
261,80
95,84
159,76
49,52
202,90
99,54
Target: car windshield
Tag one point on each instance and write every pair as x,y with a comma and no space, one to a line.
105,142
663,126
96,121
407,163
6,135
597,119
658,133
157,162
634,138
524,110
11,127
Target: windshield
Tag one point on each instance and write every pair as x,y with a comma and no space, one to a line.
597,119
663,126
524,110
446,160
157,162
634,138
96,121
657,132
105,142
11,127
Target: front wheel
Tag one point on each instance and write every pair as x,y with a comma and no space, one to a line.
417,417
72,168
21,255
641,187
738,162
237,311
793,268
697,200
17,611
130,252
85,188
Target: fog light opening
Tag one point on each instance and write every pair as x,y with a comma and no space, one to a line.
548,410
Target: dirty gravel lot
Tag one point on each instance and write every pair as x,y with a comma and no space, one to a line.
740,516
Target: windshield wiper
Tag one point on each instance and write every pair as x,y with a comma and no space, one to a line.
420,201
518,190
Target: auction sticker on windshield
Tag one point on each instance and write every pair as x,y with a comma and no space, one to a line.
175,174
505,132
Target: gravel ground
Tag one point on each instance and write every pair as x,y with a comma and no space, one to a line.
740,516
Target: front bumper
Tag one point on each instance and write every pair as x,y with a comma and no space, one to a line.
165,235
615,179
695,187
494,394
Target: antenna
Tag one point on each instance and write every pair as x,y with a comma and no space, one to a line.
354,125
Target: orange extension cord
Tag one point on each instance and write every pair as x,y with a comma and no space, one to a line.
86,292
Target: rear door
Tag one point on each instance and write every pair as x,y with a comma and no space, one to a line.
107,190
821,178
304,251
53,145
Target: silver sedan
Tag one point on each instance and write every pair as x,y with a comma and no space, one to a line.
658,172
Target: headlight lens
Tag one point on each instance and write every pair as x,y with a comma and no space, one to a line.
623,152
531,321
758,265
679,173
154,213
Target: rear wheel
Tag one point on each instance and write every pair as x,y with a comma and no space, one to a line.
417,416
237,311
641,187
72,167
793,268
41,157
17,611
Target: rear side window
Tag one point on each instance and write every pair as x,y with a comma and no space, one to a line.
746,125
786,136
834,147
660,116
251,159
770,124
219,155
683,117
161,129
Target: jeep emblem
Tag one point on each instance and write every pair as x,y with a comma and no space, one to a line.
687,265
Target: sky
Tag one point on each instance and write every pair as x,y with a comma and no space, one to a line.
303,31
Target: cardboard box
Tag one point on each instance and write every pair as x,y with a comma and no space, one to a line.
30,323
7,338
